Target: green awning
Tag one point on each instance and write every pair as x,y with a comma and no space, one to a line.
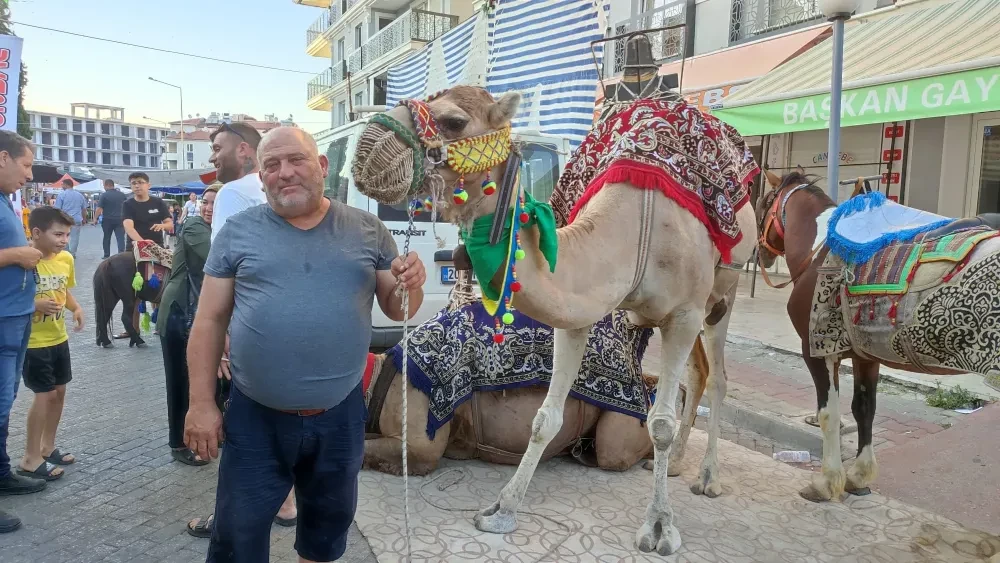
924,59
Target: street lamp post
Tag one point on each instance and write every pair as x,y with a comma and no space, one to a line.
180,149
838,11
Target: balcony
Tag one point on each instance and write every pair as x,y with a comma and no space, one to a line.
318,90
317,41
667,45
405,34
753,19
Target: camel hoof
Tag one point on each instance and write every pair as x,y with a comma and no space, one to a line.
707,484
496,520
860,492
658,535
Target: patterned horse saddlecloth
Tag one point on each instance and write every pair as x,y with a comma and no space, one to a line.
693,158
931,304
453,355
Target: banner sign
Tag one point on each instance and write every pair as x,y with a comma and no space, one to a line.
10,80
960,93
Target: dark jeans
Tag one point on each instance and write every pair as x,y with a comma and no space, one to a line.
14,333
113,226
173,343
266,453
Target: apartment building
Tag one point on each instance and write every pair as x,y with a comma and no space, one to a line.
195,148
363,38
95,136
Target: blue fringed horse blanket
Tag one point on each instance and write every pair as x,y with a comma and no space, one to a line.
452,355
866,224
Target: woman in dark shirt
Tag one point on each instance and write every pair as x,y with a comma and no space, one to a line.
177,307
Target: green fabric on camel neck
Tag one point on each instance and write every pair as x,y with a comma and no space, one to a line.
487,260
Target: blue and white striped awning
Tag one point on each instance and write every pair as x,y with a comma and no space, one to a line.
538,47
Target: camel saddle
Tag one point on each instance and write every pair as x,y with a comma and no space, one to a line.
152,260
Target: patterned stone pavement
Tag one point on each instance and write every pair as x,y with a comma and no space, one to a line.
125,499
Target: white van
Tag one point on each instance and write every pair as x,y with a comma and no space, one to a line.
544,156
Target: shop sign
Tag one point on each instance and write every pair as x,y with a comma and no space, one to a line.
823,157
959,93
10,78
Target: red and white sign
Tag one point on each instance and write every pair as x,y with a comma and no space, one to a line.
10,80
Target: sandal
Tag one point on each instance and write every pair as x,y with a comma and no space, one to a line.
59,458
286,522
203,529
812,420
43,471
186,456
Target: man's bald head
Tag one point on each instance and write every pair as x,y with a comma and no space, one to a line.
292,171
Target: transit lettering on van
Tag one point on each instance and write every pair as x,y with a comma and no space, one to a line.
402,233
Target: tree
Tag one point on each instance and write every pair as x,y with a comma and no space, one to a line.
23,127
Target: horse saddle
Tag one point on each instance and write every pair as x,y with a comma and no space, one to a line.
990,220
152,261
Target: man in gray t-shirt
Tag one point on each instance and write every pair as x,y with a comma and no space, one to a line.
109,210
296,281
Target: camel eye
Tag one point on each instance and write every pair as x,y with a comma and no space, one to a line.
453,123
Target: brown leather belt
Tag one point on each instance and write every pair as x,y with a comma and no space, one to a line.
305,412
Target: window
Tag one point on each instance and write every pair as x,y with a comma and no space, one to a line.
78,125
341,50
127,146
47,155
142,163
106,144
92,159
63,140
64,155
359,99
190,147
90,126
541,166
105,129
47,140
126,132
127,161
190,166
142,148
357,37
91,142
141,133
47,124
336,186
78,157
105,158
61,123
78,142
189,156
152,163
341,113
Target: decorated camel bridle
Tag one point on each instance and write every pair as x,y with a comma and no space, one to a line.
774,220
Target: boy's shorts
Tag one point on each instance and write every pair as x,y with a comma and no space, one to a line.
44,368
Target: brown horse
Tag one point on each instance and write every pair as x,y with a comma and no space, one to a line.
786,217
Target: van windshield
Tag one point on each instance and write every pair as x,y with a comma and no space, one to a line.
541,172
337,185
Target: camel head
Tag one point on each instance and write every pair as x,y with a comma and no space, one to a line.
449,150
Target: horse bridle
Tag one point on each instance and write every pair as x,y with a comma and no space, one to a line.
432,151
775,217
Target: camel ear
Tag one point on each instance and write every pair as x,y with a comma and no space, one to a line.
503,110
772,178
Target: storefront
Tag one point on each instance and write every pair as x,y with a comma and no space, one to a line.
920,105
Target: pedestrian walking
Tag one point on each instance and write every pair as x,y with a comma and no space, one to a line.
109,212
190,208
178,304
144,217
296,413
47,366
17,304
73,203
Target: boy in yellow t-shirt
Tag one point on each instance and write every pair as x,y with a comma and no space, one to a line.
46,364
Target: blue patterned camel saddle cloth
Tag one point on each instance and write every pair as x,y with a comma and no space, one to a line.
452,355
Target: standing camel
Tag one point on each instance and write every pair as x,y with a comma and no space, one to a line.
660,258
793,220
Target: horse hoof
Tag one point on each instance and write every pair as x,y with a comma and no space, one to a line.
107,345
496,520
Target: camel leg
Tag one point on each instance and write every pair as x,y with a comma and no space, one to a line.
715,335
678,336
385,454
697,378
568,349
865,468
829,485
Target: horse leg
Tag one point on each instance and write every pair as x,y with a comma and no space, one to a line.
568,349
697,377
865,468
385,454
829,484
130,306
678,337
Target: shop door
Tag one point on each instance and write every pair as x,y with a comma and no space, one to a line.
986,165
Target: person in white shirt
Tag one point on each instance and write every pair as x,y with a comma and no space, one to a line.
234,155
190,208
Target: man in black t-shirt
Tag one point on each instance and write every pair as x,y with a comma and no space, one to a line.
145,217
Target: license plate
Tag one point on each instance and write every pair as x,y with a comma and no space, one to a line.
449,275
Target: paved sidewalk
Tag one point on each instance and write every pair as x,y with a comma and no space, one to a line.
124,499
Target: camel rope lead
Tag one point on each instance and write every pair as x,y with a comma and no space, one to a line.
405,383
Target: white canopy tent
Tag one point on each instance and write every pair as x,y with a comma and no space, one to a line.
97,186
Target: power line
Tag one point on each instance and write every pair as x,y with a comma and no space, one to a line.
204,57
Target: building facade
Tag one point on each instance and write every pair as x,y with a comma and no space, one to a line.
95,136
362,39
193,151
